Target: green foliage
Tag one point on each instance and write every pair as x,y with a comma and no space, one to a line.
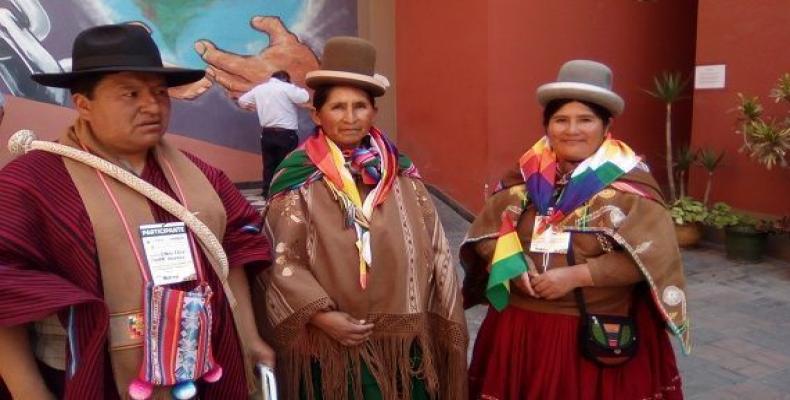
686,210
685,158
766,139
709,159
668,87
749,107
782,90
768,143
721,216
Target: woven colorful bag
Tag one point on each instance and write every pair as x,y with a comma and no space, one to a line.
177,344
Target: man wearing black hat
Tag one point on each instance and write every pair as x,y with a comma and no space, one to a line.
143,295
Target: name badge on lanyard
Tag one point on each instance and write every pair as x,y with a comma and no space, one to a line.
551,240
168,253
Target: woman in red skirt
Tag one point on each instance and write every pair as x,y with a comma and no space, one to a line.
576,254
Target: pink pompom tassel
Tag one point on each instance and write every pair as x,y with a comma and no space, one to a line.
140,390
213,374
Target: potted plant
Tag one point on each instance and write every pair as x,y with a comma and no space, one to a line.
684,159
709,160
688,215
766,138
744,236
668,88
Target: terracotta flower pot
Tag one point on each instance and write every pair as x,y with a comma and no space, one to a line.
688,234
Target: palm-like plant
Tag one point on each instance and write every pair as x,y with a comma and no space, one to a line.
684,159
765,139
668,87
782,90
709,160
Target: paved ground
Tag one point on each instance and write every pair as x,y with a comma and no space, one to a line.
740,317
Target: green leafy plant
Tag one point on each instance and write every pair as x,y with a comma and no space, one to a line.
684,159
668,87
766,138
721,216
709,160
686,210
782,90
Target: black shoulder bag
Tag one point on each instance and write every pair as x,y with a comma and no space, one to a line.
608,340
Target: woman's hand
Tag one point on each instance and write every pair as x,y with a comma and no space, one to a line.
341,327
524,283
557,282
260,352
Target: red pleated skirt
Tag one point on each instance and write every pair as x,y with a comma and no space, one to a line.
522,354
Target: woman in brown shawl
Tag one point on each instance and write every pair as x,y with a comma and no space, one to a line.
362,299
577,232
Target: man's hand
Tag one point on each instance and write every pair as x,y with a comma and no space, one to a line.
341,327
238,74
18,365
260,353
557,282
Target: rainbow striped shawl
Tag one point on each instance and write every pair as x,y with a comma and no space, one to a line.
539,169
312,160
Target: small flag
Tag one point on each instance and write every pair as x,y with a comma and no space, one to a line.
508,263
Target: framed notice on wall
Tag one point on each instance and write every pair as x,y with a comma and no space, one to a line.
710,76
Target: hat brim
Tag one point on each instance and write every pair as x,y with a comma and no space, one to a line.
581,91
319,78
173,76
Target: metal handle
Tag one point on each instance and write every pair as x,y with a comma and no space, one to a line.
268,382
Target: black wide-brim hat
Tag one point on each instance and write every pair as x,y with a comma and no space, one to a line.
116,48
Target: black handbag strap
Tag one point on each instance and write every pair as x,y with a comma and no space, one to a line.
570,258
579,293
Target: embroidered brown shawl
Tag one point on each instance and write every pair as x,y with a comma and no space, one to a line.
412,295
639,224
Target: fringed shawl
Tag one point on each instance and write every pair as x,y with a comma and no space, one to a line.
412,296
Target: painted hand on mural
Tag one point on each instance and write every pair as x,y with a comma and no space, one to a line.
237,73
190,91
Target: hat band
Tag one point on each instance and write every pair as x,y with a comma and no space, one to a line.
116,60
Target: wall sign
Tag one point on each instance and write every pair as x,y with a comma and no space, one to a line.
709,76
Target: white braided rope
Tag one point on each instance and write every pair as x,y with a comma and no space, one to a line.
24,141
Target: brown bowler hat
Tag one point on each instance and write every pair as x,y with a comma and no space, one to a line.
348,61
116,48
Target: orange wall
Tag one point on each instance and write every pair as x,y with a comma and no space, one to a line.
442,92
468,75
752,39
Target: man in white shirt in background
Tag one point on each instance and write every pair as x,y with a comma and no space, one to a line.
276,102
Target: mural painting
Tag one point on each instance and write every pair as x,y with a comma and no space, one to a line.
238,42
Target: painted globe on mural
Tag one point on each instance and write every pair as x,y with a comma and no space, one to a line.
177,24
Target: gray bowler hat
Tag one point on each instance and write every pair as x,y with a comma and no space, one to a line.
583,80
